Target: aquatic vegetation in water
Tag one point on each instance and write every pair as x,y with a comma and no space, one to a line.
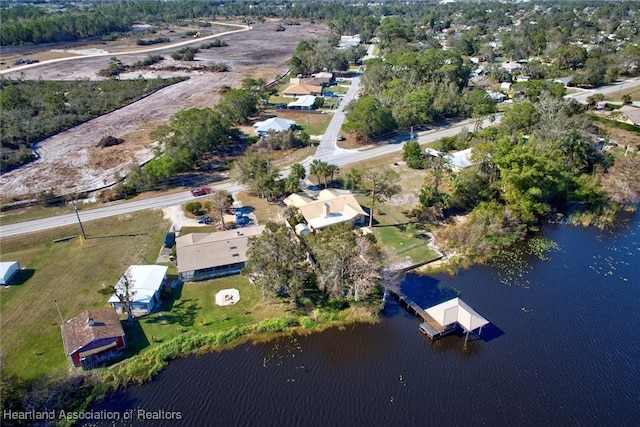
283,348
512,262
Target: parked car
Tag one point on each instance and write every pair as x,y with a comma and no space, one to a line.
196,192
170,240
204,219
281,107
341,138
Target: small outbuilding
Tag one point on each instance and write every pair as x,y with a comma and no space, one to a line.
93,337
8,269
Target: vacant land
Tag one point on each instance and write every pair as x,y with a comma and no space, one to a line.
70,162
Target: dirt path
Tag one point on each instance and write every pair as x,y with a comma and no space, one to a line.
70,161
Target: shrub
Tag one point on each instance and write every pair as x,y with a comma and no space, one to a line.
306,322
274,325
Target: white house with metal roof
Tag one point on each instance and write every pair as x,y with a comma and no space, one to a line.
275,124
145,283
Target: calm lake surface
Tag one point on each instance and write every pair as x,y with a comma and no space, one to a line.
563,349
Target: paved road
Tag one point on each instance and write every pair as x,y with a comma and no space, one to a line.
142,50
338,157
328,141
582,94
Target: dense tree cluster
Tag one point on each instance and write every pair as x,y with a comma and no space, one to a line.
312,56
336,261
541,158
35,110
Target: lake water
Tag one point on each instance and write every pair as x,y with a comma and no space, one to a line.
563,349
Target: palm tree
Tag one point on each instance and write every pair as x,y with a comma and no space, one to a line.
353,179
317,168
330,171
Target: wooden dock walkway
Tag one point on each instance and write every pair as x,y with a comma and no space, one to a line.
429,326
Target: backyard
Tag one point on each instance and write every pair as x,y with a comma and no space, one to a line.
71,273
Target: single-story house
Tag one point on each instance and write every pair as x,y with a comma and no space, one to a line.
275,124
203,256
301,89
497,96
330,207
92,337
145,283
349,41
306,102
511,66
460,159
565,81
325,75
8,269
630,115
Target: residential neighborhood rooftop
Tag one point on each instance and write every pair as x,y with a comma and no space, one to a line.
198,251
88,326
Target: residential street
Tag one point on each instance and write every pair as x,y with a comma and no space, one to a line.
582,94
337,156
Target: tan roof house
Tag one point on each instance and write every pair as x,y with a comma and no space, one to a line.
93,336
330,207
301,89
630,115
203,256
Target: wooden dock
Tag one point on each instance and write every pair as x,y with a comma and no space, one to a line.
429,326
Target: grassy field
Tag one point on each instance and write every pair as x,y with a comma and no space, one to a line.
193,309
391,218
71,274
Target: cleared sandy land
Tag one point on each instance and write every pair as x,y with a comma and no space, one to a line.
70,162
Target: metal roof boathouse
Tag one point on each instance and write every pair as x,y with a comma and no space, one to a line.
443,319
451,313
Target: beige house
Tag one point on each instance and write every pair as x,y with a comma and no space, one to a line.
301,89
203,256
330,207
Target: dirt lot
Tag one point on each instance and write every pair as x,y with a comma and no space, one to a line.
70,162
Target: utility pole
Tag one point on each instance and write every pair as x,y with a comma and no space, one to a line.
75,207
59,312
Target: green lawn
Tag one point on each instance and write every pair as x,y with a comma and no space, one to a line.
193,308
71,274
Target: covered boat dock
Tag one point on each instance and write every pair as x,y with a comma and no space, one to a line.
456,312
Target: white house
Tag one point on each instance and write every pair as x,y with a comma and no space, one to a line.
305,102
275,124
460,159
8,269
145,283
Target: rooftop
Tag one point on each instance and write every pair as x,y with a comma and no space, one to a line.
145,280
456,310
197,251
78,332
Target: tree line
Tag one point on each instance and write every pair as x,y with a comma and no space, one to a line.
34,110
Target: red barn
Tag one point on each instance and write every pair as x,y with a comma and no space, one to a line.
93,337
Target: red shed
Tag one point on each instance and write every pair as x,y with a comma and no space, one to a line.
93,336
